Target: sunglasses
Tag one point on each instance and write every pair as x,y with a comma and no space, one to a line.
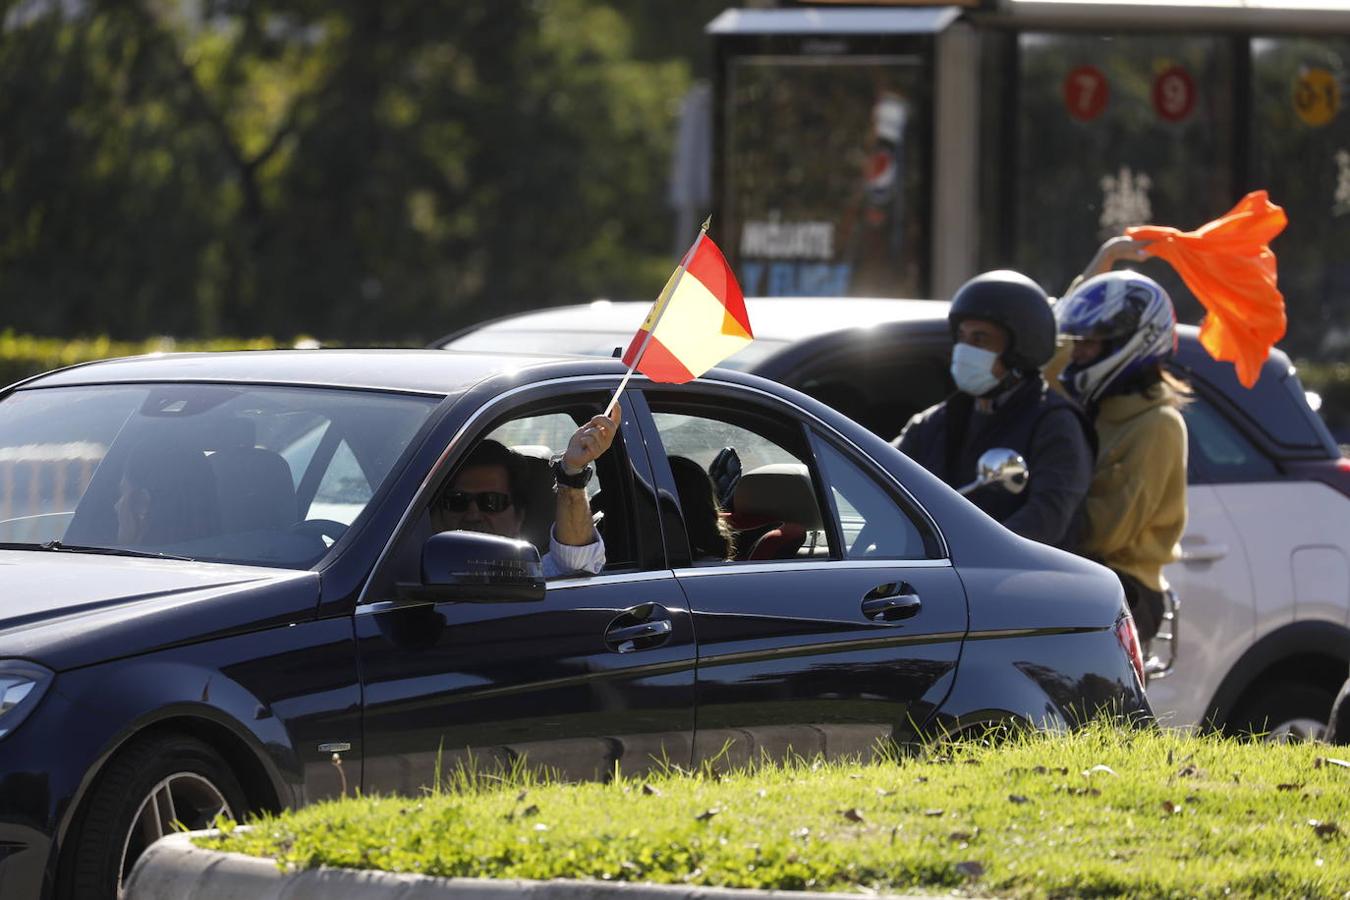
488,501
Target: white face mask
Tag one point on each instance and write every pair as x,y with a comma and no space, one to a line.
973,369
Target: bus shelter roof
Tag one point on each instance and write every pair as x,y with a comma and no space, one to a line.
908,20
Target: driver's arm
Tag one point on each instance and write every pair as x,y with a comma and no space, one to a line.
572,522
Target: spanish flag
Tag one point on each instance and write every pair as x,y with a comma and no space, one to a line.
698,320
1229,266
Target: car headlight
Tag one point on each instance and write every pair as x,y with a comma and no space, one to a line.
22,685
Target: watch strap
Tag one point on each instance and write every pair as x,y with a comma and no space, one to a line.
561,476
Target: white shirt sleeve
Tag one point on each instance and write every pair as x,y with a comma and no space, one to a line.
567,559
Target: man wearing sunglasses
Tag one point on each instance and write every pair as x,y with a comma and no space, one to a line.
488,494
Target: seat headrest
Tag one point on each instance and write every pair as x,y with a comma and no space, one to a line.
780,491
538,451
540,502
255,490
235,431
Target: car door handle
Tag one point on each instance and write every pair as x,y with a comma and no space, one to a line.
1198,553
892,608
658,628
640,628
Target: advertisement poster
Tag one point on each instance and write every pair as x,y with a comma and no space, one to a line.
824,183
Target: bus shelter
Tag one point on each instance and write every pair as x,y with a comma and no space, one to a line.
898,150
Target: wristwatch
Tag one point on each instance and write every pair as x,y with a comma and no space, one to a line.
579,480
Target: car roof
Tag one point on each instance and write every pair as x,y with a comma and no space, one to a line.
599,327
432,372
772,318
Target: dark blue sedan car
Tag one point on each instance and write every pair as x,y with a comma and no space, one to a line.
281,624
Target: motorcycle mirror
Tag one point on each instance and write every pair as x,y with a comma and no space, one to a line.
1001,466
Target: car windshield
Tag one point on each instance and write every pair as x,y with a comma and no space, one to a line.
256,475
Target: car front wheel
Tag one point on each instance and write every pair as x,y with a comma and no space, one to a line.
1285,711
153,787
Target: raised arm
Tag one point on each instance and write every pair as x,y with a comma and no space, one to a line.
572,524
1112,251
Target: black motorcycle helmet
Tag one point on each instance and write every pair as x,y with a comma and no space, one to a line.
1018,304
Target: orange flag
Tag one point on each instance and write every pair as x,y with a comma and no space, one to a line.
1230,268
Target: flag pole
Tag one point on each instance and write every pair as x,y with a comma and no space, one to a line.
679,273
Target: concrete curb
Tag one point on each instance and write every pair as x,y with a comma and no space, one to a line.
174,869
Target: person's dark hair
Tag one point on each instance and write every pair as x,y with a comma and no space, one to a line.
1144,380
709,533
494,453
1018,305
183,503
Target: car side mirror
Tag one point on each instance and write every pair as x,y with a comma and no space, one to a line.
469,567
1001,466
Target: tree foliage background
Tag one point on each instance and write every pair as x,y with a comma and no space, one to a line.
359,171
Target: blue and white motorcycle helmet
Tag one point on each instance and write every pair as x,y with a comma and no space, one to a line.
1131,315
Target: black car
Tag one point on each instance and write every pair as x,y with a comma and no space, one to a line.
1261,638
295,631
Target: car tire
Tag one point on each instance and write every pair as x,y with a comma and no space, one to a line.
1283,711
1338,726
129,807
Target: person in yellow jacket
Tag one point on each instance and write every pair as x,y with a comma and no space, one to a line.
1119,327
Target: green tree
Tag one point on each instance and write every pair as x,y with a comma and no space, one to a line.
363,171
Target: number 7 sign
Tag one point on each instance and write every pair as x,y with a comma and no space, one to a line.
1085,93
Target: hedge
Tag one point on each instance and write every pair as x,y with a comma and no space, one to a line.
22,355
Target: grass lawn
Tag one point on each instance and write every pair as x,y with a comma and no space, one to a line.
1097,813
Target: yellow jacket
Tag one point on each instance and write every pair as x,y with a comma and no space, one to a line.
1136,507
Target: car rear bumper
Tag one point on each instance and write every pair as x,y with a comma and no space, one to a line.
1053,680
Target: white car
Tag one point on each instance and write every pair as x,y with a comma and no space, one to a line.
1262,632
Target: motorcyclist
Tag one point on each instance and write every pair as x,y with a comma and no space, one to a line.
1004,331
1121,327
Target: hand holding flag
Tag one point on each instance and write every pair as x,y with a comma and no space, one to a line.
698,320
1229,266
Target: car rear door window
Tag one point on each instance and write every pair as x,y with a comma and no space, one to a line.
1220,452
744,485
871,524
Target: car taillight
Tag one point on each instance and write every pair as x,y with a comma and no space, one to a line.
1129,642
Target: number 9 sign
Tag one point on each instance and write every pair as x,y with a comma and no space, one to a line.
1173,94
